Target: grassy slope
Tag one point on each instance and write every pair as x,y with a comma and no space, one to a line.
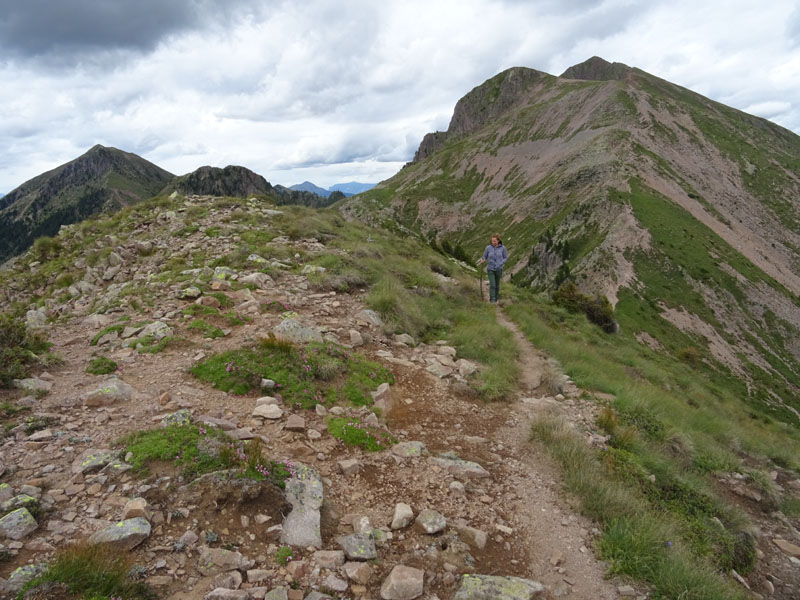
683,425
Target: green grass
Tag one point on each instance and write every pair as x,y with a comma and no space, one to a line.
101,365
316,374
20,349
790,506
206,329
92,572
193,449
354,432
637,540
198,449
151,345
673,426
284,555
194,310
117,328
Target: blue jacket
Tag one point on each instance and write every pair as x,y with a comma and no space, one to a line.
497,257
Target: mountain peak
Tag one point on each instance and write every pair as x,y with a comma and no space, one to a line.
482,105
597,69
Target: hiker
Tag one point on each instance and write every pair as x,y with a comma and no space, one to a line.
496,255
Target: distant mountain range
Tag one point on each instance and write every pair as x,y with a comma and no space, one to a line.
348,189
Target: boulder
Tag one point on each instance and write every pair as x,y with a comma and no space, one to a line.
358,546
370,317
124,535
136,507
403,515
431,521
17,524
301,527
109,392
329,559
295,423
213,561
20,501
349,466
36,318
461,468
181,417
158,330
227,594
190,293
22,575
404,583
359,572
268,411
260,280
34,385
294,331
409,449
92,460
491,587
405,339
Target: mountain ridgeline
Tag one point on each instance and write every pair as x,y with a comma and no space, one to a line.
684,212
103,180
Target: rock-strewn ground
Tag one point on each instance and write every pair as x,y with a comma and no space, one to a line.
463,492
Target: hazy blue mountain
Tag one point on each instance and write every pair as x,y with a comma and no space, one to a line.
352,187
307,186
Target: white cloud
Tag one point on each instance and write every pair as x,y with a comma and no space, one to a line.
335,92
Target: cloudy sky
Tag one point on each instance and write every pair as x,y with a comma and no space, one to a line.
335,91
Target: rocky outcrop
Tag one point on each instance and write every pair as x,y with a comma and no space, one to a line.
596,69
234,181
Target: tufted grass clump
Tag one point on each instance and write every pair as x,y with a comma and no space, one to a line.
206,329
306,376
92,571
20,349
101,365
354,432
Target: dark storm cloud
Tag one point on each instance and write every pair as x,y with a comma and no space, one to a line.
66,31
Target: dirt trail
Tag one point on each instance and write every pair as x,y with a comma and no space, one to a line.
532,531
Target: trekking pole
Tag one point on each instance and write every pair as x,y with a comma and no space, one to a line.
480,276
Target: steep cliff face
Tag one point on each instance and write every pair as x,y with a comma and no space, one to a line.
102,179
684,212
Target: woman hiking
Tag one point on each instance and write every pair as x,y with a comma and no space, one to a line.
496,255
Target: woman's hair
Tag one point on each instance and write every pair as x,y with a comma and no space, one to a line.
499,241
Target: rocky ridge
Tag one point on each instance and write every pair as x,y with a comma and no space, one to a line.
461,507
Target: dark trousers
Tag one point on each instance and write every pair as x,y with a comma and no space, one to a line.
494,283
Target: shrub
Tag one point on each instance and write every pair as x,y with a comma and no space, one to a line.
597,309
